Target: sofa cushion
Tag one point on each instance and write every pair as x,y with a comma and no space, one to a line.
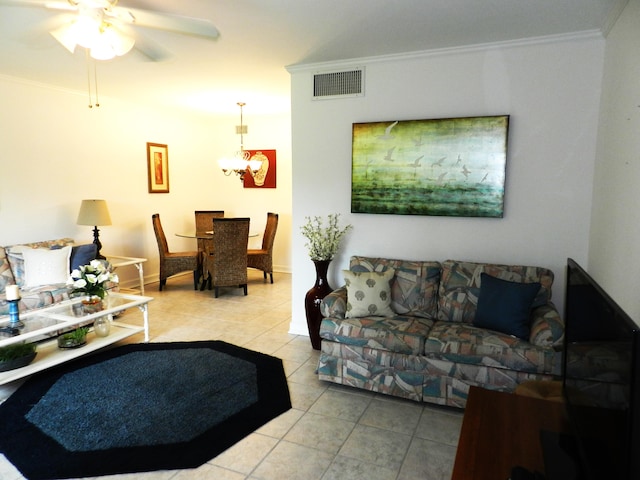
401,334
82,255
45,267
465,344
6,276
16,260
505,306
414,287
37,297
368,293
460,286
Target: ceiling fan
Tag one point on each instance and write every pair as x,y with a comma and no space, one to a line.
105,29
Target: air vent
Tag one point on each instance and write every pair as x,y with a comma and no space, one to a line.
338,84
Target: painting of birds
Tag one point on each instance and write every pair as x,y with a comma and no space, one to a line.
387,132
445,167
388,157
438,163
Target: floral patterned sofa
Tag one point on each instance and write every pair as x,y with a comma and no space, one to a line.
45,284
433,340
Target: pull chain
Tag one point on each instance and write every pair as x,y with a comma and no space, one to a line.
95,79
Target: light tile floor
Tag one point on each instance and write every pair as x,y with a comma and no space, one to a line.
331,433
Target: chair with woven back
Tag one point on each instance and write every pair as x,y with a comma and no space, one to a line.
226,254
262,258
203,225
172,263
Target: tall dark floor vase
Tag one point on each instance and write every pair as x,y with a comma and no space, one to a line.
312,301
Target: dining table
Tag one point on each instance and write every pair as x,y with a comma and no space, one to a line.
207,234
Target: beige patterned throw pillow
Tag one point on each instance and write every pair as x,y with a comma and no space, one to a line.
369,293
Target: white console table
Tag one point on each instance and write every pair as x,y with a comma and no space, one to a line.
119,261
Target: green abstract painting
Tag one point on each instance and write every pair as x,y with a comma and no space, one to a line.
451,167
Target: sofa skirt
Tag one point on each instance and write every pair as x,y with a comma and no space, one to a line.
414,377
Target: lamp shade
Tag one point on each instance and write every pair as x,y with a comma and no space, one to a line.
94,212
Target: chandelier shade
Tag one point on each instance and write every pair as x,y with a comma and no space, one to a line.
240,163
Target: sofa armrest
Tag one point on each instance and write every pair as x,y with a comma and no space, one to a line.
547,326
334,305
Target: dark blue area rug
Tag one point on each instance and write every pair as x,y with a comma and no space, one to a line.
141,407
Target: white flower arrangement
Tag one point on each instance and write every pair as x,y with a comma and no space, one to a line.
90,279
323,242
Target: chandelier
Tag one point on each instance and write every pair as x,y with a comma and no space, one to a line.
241,162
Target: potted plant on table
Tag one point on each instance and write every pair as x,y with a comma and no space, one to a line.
322,243
91,281
73,339
16,356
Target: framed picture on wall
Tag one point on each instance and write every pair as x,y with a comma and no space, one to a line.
158,167
265,176
446,167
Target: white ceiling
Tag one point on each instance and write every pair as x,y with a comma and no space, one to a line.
259,38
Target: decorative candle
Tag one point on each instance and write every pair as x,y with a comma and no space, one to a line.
12,292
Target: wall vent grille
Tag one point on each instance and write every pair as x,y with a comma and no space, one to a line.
338,84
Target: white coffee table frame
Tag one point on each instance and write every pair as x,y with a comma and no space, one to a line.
49,321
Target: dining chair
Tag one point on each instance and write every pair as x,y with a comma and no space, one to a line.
262,258
203,222
203,225
225,257
172,263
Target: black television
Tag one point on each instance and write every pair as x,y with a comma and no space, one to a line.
601,380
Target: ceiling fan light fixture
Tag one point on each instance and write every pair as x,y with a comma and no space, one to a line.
66,37
121,43
86,31
110,43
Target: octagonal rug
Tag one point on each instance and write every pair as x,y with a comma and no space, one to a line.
140,407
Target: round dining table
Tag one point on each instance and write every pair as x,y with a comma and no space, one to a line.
207,235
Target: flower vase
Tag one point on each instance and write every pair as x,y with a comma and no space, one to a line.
92,305
312,301
101,326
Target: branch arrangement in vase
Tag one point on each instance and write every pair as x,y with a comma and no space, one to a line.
323,241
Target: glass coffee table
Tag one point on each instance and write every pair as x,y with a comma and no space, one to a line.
42,326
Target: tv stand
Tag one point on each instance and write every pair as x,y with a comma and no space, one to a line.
501,431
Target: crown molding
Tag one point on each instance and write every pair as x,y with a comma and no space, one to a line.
547,39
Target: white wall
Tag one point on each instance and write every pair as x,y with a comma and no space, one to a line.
56,152
551,90
614,256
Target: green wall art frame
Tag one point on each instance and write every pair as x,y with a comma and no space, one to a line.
442,167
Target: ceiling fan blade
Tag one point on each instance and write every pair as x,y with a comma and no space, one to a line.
173,23
56,5
151,50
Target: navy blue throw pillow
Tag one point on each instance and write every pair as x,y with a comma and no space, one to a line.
82,255
505,306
